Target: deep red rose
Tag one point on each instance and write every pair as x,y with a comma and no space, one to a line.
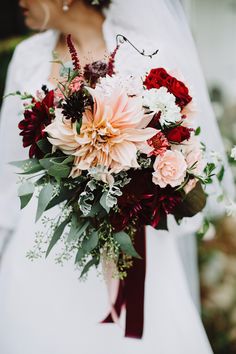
34,122
181,92
144,202
159,77
178,134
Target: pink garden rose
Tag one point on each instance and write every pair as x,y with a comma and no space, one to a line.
192,151
194,156
169,168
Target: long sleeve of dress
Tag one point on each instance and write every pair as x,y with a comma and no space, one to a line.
11,150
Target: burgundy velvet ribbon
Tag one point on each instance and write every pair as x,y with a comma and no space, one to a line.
131,291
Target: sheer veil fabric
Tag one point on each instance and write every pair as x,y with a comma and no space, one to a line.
164,24
43,307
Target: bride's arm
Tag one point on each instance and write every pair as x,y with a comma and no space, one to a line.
11,150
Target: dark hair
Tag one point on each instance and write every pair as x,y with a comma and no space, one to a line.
102,4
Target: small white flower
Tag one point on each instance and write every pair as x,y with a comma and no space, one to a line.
130,84
160,100
233,153
216,156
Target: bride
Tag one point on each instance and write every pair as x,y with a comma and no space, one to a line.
44,309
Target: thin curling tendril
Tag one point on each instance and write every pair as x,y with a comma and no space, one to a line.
120,39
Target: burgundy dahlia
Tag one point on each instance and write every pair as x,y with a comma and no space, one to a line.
34,122
144,202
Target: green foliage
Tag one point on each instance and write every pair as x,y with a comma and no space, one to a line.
78,227
58,167
126,245
44,198
57,235
29,166
25,192
221,174
93,262
198,131
203,230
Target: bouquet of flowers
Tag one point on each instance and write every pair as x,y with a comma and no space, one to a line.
116,153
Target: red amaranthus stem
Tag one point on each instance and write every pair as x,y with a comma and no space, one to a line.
111,62
73,53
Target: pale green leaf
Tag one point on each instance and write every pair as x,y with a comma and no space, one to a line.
45,197
25,192
125,244
57,235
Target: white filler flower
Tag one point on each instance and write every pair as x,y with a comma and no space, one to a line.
160,100
233,153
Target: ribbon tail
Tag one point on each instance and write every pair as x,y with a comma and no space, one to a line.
117,307
135,289
131,292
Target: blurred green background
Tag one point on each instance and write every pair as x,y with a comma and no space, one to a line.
217,49
12,31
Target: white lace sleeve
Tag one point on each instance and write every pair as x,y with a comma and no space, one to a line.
11,148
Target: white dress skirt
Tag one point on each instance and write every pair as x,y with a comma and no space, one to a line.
44,308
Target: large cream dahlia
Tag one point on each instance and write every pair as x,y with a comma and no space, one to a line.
110,136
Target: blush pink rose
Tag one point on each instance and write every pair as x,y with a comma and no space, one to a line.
170,168
194,157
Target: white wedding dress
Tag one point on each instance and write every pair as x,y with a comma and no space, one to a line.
44,308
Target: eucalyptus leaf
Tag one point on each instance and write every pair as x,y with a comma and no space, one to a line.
24,163
82,229
25,192
79,255
46,162
88,245
125,243
77,229
32,170
91,263
57,235
51,161
63,195
73,228
59,171
28,166
44,198
90,242
68,160
221,174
